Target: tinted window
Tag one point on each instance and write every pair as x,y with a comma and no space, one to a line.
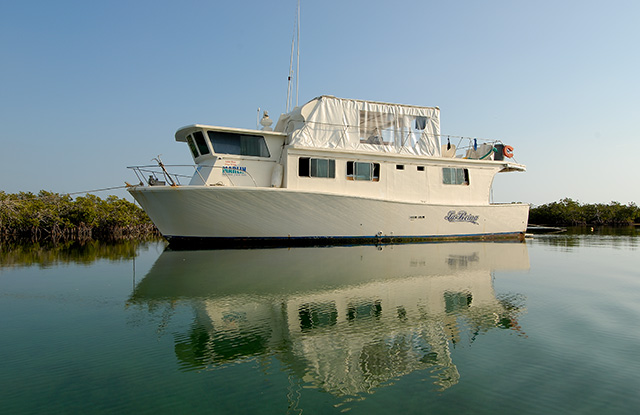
310,167
317,315
192,146
363,171
202,145
303,166
240,144
452,175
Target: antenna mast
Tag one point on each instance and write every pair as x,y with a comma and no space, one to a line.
295,46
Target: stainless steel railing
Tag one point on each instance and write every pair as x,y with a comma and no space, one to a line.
159,174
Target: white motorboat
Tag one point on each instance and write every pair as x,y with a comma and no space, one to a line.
332,171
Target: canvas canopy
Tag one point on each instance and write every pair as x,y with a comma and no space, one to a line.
337,123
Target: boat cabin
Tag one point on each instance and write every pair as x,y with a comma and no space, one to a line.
351,147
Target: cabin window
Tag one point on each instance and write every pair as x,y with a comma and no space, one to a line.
381,128
376,127
317,315
357,170
202,145
457,302
240,144
420,168
451,175
399,166
192,146
364,310
310,167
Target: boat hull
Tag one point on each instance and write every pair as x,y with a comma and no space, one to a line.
195,215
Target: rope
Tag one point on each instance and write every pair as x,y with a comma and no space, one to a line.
98,190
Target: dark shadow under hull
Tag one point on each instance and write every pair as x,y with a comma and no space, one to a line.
183,243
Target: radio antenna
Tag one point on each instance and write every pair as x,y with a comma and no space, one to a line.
295,47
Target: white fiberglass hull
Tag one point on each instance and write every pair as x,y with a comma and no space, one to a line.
269,214
192,213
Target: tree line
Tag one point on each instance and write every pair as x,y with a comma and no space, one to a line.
568,212
48,214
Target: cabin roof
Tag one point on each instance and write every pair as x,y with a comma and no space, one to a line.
182,133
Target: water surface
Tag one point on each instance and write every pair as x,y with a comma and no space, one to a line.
548,326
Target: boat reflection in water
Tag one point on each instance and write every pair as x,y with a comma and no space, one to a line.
346,320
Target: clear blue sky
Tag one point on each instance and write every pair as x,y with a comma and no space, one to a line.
88,88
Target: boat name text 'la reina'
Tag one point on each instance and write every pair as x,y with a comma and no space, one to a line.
461,216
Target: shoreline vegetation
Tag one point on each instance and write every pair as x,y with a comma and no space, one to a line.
48,216
568,212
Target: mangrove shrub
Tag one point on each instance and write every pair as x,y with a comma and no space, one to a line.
56,215
569,212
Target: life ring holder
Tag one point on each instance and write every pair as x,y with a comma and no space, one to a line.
507,151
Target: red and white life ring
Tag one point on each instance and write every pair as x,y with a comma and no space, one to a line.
507,151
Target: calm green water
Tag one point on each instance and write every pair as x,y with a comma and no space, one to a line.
550,326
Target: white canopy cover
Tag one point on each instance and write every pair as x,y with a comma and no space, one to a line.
330,122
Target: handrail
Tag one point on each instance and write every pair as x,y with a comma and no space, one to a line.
468,143
154,171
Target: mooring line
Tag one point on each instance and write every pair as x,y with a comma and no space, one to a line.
98,190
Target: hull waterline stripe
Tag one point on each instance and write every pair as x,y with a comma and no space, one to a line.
195,241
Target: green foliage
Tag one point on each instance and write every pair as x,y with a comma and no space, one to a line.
58,215
570,212
45,254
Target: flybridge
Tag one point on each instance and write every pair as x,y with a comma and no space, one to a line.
347,124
